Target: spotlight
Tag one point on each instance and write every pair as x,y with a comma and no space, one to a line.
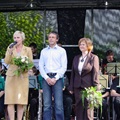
31,5
106,3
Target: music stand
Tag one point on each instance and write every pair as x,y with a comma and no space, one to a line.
36,63
33,82
103,81
114,68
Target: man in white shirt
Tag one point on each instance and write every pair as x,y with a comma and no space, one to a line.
52,66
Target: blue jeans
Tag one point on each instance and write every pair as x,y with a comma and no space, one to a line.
56,92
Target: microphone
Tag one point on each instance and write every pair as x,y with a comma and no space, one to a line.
12,44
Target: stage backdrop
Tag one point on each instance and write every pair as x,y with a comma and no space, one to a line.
71,24
106,31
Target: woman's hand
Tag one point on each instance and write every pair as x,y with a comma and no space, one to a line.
99,87
71,92
10,50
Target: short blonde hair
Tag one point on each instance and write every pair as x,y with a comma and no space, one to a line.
21,33
88,43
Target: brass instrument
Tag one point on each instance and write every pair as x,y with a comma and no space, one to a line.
26,113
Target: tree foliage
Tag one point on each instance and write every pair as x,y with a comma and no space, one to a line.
30,22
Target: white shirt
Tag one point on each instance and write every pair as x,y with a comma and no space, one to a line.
53,60
80,64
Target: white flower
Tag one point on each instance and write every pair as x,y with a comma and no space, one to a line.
26,62
93,96
26,57
23,60
23,63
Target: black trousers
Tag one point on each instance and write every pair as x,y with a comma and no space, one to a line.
33,108
2,107
117,107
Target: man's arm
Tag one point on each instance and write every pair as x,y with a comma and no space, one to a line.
63,68
41,66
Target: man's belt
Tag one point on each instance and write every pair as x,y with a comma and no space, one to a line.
51,74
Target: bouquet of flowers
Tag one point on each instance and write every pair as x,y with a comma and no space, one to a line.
23,63
93,97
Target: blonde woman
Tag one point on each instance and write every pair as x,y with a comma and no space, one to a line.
84,74
16,87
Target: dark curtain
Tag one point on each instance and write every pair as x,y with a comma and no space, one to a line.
71,24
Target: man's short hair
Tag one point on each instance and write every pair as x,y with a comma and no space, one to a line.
33,45
54,32
109,52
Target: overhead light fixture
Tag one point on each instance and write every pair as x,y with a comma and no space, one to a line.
31,4
106,3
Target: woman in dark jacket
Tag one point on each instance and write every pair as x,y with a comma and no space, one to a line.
85,71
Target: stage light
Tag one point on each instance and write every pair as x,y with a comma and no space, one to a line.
106,3
31,5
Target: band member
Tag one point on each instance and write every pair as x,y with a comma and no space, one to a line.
108,59
115,93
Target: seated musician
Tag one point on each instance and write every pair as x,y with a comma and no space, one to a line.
2,82
33,96
2,107
67,100
115,92
109,59
105,96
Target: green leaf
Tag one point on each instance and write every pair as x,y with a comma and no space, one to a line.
93,96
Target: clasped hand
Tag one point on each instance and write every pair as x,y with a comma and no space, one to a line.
51,81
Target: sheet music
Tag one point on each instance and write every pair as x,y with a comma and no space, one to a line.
36,63
113,68
103,81
33,82
4,64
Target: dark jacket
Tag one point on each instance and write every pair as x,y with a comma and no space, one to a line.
89,74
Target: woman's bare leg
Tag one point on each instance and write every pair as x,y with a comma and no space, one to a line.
20,110
11,112
90,113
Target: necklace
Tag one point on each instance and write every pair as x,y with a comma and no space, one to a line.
82,60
